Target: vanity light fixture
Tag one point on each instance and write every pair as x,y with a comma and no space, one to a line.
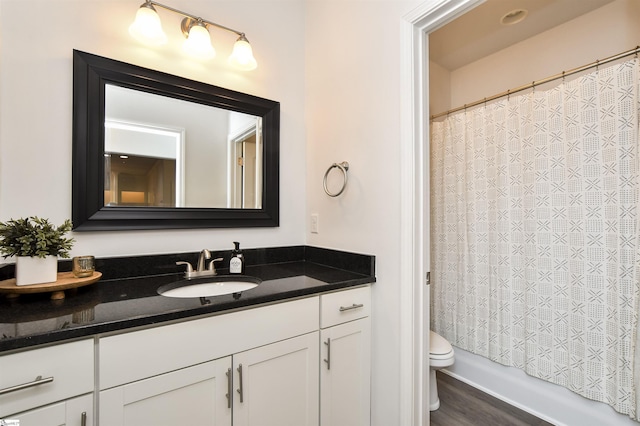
198,42
147,28
242,55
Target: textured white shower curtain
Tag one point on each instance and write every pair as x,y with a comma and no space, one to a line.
534,227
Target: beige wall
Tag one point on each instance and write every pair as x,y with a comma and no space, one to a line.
439,88
604,32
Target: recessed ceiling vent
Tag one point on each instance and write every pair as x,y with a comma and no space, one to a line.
514,17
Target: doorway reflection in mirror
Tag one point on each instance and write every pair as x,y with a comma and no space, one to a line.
165,152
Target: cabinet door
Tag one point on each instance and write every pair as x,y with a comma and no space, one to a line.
74,412
277,384
195,395
345,374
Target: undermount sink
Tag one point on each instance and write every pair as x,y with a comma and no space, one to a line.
209,286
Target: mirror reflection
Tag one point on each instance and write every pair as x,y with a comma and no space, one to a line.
165,152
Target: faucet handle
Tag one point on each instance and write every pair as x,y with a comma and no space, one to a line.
189,267
212,267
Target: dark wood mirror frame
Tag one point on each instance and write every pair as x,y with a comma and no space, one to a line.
90,74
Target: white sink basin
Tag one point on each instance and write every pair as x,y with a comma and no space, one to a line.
209,286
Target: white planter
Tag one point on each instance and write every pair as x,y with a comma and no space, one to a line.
36,270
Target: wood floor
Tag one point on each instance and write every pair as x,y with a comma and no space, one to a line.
464,405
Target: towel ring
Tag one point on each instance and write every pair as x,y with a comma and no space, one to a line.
344,166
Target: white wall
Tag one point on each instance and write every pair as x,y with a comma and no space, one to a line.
333,65
36,105
353,114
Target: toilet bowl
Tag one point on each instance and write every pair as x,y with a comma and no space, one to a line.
440,356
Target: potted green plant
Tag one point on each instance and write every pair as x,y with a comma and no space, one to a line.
37,244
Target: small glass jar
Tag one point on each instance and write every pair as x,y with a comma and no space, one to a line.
83,266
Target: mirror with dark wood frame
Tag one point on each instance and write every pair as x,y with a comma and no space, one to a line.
195,176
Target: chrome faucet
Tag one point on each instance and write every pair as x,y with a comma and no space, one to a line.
201,270
204,255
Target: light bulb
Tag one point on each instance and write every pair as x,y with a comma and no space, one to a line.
242,55
198,43
147,27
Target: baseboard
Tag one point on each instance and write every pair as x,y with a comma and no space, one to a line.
550,402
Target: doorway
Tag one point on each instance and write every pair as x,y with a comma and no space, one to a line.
415,203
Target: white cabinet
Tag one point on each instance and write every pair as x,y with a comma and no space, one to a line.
346,358
72,412
177,374
277,384
195,395
44,376
345,374
298,363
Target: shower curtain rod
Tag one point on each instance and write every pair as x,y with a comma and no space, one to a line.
636,50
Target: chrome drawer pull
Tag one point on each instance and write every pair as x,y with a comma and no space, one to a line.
38,381
354,306
83,419
328,360
229,388
240,389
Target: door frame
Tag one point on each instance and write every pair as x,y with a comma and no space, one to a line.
233,140
414,231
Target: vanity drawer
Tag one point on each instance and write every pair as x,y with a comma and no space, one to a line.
345,305
41,376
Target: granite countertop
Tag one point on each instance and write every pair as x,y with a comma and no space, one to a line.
117,303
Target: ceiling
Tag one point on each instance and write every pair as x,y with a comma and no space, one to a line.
479,32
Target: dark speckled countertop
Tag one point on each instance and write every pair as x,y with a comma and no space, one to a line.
127,297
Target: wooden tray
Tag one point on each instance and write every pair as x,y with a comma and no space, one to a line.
65,281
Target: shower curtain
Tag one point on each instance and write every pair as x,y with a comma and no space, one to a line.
534,221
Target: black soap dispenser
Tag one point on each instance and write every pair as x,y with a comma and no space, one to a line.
236,264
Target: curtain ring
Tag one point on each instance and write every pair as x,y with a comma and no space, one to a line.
344,166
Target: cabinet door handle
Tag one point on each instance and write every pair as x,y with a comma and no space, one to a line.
229,388
328,360
83,419
354,306
240,389
38,381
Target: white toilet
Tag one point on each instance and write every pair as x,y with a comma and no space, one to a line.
440,356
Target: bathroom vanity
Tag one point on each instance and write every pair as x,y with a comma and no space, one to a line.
294,350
